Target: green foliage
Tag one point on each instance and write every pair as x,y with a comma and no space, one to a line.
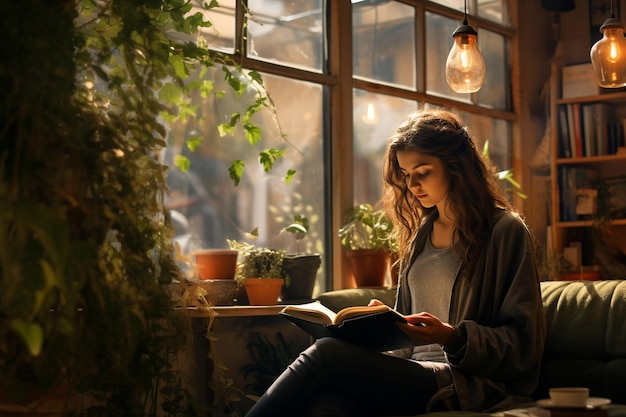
299,228
506,176
269,360
190,59
366,228
258,262
86,254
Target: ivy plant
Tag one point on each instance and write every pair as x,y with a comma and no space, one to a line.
86,252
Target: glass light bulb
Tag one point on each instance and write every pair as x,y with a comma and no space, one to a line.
465,66
608,57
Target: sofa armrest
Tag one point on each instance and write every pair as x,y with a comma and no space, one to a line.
338,299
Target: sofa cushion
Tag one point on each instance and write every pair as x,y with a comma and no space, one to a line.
586,337
338,299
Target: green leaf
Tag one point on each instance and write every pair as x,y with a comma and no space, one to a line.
235,171
289,176
179,66
170,93
225,129
206,88
194,141
182,162
30,333
252,132
268,157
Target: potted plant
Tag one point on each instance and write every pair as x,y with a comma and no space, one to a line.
367,236
260,271
301,267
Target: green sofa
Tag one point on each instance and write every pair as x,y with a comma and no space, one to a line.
586,337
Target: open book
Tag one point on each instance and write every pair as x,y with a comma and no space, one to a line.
372,327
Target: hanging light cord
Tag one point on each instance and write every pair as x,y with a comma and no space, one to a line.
612,11
465,12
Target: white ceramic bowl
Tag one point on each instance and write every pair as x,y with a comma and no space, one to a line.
569,396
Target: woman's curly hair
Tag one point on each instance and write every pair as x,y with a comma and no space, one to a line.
473,194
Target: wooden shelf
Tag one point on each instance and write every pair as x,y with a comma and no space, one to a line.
589,223
608,97
613,165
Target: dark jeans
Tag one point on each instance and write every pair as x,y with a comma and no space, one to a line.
334,378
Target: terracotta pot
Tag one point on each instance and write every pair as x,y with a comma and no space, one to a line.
302,271
263,291
369,266
216,263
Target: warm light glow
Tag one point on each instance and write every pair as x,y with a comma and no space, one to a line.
465,66
370,116
608,55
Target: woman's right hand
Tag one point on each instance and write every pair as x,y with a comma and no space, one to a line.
425,328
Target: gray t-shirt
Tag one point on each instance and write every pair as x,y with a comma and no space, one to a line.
430,281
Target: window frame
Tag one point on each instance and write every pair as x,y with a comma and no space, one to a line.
338,83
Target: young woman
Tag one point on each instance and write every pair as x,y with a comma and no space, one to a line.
467,276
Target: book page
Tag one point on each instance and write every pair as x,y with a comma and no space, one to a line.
315,312
356,311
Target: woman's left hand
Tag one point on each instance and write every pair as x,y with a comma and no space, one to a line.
424,328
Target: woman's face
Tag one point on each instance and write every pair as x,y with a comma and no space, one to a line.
425,176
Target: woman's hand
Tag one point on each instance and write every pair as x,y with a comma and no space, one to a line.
424,328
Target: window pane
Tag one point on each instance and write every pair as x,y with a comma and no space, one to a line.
288,32
497,132
221,36
207,197
375,118
494,91
383,35
494,10
455,4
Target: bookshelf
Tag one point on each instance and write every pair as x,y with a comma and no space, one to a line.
571,221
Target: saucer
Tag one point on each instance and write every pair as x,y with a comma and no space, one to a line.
592,402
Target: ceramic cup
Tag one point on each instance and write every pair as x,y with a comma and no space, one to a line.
569,396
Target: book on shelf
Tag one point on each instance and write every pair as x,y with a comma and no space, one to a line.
578,192
601,116
372,327
566,150
571,127
587,130
614,193
579,80
615,137
578,130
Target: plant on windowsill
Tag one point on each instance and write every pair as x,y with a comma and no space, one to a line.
369,242
301,267
260,271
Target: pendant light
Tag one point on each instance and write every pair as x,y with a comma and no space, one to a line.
608,55
465,66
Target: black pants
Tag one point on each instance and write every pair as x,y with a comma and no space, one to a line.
333,378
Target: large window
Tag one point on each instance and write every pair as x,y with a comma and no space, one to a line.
397,63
